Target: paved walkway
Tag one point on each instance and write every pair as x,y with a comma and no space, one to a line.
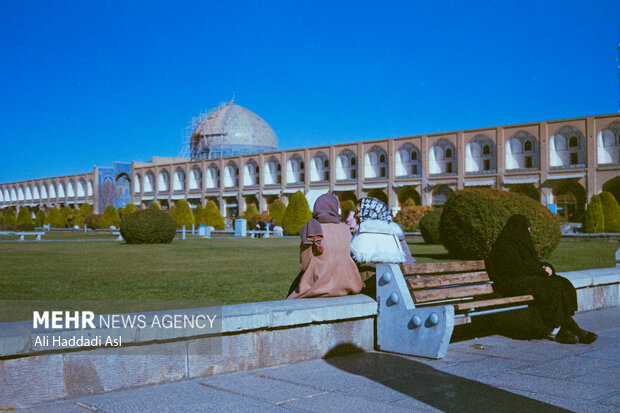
493,373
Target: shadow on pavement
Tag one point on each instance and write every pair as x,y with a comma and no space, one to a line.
430,386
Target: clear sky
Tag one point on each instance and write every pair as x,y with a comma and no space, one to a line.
87,83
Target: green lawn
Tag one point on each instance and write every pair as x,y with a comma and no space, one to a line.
227,270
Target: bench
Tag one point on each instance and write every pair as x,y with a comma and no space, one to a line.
419,304
22,234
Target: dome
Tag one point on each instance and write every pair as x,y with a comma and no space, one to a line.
231,130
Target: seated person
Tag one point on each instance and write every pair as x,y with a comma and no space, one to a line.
515,269
369,243
327,269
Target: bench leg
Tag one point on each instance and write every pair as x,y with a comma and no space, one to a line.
403,328
38,237
21,237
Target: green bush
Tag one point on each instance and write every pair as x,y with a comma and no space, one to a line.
24,216
93,221
85,210
276,211
148,227
9,216
68,214
199,215
110,217
55,218
39,219
130,208
1,218
183,214
611,212
250,215
594,221
409,217
346,207
154,205
473,219
429,226
297,214
213,217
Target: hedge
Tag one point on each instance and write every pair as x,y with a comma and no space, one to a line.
409,217
250,215
429,226
183,214
297,214
148,227
55,218
213,217
154,205
199,215
594,221
24,216
110,217
9,216
611,212
473,219
277,210
39,219
93,221
130,208
85,210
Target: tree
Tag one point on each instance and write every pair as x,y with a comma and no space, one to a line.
24,216
297,214
85,210
40,218
199,215
611,212
593,221
213,217
250,214
183,214
110,217
276,211
154,205
55,218
130,208
9,216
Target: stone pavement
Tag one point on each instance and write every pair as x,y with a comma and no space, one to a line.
492,373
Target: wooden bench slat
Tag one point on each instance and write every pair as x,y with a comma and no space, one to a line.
443,267
447,279
422,296
493,302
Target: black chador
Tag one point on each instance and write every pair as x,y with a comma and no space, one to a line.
515,269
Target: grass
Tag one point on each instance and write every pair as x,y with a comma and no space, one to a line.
227,270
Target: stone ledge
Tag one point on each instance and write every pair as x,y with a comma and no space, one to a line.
596,288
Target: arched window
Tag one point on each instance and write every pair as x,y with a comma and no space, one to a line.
90,188
251,174
406,162
71,189
375,165
35,192
137,187
527,146
43,191
178,180
195,179
61,190
163,181
346,169
441,158
480,155
212,177
567,148
273,171
609,144
522,151
149,182
81,188
231,175
319,168
295,173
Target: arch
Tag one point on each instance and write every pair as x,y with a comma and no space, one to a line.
295,170
36,193
608,144
61,190
442,158
407,195
231,175
44,191
7,195
163,181
408,161
149,182
123,185
480,155
346,166
70,189
613,186
195,178
522,151
567,147
441,194
212,178
570,199
13,194
89,188
273,172
378,194
375,163
20,193
53,190
137,183
28,193
178,180
251,174
81,188
527,189
1,196
319,168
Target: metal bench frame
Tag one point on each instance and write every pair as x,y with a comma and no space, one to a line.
446,295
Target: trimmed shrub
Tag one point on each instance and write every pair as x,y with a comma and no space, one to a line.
39,219
130,208
409,217
68,215
297,214
183,214
93,221
55,218
148,227
1,218
9,216
473,219
24,216
250,215
429,226
85,210
213,217
611,212
594,221
110,217
276,211
199,215
154,205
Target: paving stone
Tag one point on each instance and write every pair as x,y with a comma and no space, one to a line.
485,367
60,407
566,368
609,353
570,404
600,377
613,400
259,387
333,402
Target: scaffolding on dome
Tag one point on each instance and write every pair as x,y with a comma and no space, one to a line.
188,131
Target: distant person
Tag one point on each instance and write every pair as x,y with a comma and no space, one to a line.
515,269
351,221
327,269
272,225
371,241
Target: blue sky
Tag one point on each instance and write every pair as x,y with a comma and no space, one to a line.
88,83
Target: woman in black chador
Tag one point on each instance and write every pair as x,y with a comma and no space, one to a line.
516,270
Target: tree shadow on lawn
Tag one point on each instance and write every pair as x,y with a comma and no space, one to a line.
419,381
